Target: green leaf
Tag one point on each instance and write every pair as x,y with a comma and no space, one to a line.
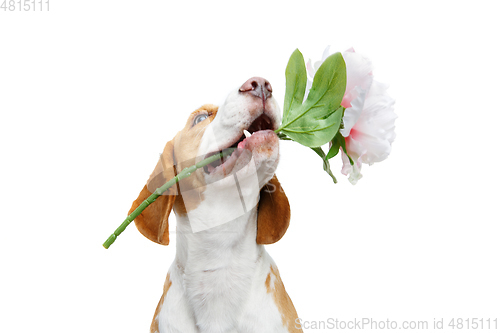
326,163
296,80
335,146
317,121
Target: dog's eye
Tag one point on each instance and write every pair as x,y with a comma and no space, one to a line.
199,118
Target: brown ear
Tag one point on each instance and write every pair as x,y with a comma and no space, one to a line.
153,221
273,213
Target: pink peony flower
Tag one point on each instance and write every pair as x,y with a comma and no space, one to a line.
369,115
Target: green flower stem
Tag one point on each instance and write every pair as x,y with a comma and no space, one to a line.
186,172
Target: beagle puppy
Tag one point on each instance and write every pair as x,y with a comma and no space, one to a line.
222,279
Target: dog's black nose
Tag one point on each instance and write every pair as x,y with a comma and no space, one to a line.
258,87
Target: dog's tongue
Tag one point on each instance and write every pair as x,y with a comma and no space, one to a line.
257,139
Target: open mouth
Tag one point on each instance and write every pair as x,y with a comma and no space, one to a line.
226,164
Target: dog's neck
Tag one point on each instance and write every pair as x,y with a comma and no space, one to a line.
222,260
220,230
223,246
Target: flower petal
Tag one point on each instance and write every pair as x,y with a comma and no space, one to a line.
310,70
352,114
359,74
326,54
372,135
353,171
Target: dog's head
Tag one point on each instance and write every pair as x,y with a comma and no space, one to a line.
245,122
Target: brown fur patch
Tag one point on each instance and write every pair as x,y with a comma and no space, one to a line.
268,283
282,300
274,213
153,221
166,287
193,198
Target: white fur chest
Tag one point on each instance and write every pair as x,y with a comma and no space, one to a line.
219,281
218,267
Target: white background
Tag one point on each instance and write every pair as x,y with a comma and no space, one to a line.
92,90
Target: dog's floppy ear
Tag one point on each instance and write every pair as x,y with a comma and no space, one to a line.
153,221
273,213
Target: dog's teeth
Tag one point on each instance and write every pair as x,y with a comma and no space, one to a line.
247,133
